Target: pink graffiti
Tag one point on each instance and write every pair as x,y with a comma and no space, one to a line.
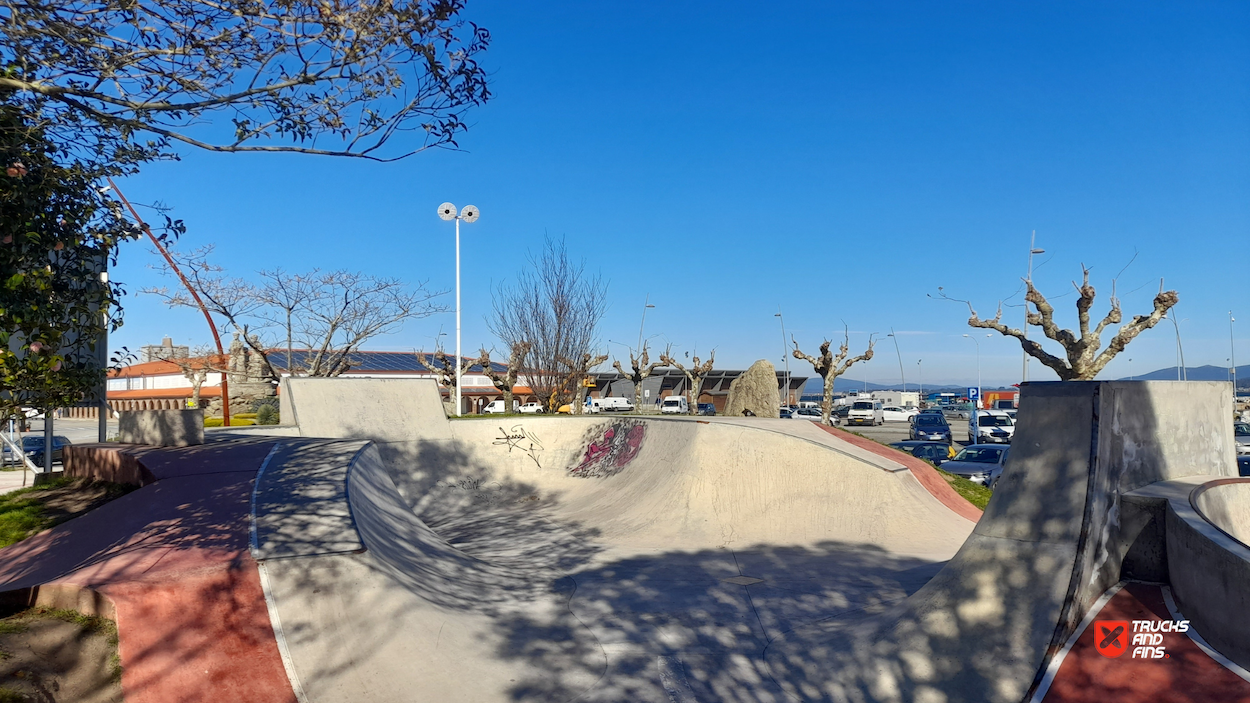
618,447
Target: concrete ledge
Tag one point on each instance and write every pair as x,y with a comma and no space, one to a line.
87,601
300,500
162,428
105,462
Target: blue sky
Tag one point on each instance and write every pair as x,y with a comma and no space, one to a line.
838,161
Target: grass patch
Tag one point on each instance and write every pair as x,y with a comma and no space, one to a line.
8,695
974,493
29,511
234,421
19,623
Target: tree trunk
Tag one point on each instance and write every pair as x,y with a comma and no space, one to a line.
826,402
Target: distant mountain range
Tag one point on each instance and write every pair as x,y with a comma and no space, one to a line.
1192,373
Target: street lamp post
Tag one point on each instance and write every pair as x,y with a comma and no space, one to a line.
646,304
900,360
976,425
1032,250
785,356
1232,354
920,368
1180,351
469,214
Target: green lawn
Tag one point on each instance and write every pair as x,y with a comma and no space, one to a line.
29,511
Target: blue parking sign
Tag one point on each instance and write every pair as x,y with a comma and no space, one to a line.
974,393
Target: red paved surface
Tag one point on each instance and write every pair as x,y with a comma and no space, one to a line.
1188,675
173,557
921,469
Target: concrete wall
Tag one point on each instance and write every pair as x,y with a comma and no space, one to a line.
162,428
1226,504
1210,574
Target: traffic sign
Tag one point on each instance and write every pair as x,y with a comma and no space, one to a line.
974,393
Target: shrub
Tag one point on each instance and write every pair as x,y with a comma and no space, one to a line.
234,421
271,402
266,415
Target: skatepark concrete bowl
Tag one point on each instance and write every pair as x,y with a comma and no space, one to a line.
594,558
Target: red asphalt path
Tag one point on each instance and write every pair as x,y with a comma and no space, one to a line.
921,469
1187,675
173,557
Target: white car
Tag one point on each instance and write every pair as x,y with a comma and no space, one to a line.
992,427
896,414
532,408
1241,435
806,414
865,412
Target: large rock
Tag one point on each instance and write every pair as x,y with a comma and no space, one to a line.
755,391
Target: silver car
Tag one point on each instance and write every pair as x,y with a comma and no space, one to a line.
979,463
1241,435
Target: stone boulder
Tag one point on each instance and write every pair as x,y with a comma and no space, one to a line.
755,391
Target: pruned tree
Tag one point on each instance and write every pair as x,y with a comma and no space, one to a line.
196,367
327,316
443,366
829,366
640,367
694,376
578,372
327,77
1083,360
505,381
555,306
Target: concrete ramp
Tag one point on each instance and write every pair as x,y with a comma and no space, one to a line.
364,408
1055,536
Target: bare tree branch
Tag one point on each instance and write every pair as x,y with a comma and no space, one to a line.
694,376
641,367
829,366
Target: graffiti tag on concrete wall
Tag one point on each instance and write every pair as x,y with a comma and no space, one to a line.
522,440
610,448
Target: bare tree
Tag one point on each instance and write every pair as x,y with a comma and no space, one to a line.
1083,361
694,376
829,366
640,368
443,367
556,307
337,78
578,373
507,380
327,315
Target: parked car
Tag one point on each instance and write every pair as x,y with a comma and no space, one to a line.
807,414
675,405
896,414
1243,464
930,427
957,412
992,426
533,408
840,412
1241,435
707,409
936,452
34,445
979,463
865,412
786,413
496,407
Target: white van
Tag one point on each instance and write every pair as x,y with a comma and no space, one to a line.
675,405
993,427
866,412
496,407
612,405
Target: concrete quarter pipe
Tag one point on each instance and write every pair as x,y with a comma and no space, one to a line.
621,559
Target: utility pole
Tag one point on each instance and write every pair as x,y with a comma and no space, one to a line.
1024,375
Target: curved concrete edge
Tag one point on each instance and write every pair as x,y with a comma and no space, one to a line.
67,596
1210,576
300,500
1225,503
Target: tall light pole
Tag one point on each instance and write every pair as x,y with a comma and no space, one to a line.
900,361
1131,377
1032,250
920,367
1232,354
646,304
785,356
978,343
1180,351
447,211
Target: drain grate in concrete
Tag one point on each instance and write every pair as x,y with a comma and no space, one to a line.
743,580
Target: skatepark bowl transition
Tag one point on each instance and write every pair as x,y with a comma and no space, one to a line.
374,550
